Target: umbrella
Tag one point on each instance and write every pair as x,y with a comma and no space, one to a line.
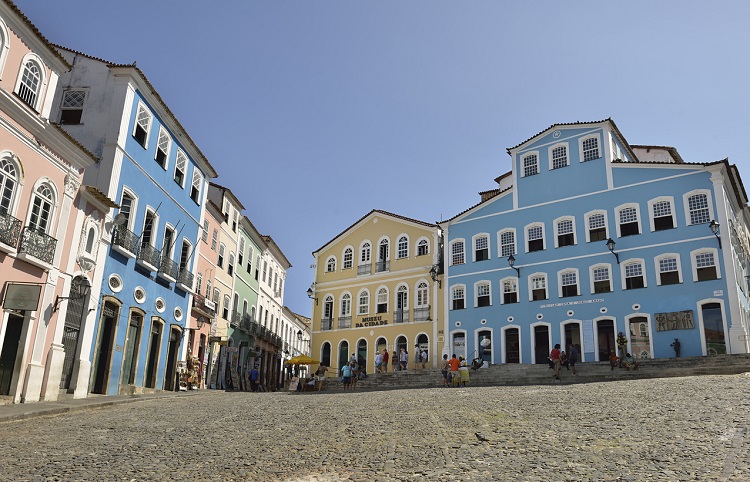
302,360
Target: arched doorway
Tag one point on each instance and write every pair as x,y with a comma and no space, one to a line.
362,353
395,356
512,345
605,332
343,354
541,344
573,337
170,374
640,337
105,346
154,347
325,354
72,328
713,329
484,340
459,344
381,344
9,351
423,343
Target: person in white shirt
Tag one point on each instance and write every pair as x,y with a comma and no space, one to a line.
378,362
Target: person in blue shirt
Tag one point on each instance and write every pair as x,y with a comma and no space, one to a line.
254,377
346,373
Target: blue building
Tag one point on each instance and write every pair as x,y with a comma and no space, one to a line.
151,167
588,236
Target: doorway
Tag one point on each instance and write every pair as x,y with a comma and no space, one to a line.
640,339
9,351
459,344
605,332
170,375
573,337
713,329
132,343
152,361
423,343
343,354
485,345
512,346
541,344
105,346
325,354
362,353
71,330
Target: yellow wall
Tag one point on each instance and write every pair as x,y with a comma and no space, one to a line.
410,270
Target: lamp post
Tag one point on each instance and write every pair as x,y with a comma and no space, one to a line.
611,247
512,262
715,229
434,275
310,294
77,291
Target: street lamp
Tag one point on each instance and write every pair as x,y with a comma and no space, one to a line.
308,340
611,247
715,229
310,294
434,275
511,263
78,291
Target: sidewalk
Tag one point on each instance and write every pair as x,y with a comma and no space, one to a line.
66,403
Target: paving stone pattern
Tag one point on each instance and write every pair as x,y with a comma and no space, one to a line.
675,429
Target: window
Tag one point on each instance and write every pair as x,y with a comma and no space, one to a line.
222,249
365,253
214,239
257,267
225,308
364,303
270,275
235,221
331,264
195,189
346,305
241,252
142,125
568,283
423,247
699,209
185,252
348,257
403,248
457,252
180,168
662,214
535,238
590,148
634,275
669,270
481,248
265,270
230,265
382,306
422,294
601,279
41,208
149,225
8,183
596,227
250,260
166,249
198,283
538,287
162,148
457,297
530,165
30,83
705,266
565,233
483,293
628,221
204,234
510,290
71,109
559,156
507,243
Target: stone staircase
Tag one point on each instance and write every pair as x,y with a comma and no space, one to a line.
516,374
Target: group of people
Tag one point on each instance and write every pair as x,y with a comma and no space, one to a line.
627,362
558,359
400,360
455,371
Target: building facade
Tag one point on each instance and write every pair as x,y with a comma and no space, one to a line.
588,236
373,291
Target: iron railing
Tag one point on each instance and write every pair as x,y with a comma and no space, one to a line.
382,266
326,324
401,316
422,313
168,267
364,269
37,244
199,303
124,238
149,255
27,95
10,229
345,322
185,278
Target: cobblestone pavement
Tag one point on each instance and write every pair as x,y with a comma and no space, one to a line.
677,429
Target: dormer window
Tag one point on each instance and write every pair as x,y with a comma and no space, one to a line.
530,165
72,107
590,149
142,125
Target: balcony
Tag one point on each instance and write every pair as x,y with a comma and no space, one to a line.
37,248
149,257
401,316
381,266
326,324
168,269
364,269
185,281
422,313
10,231
124,241
236,319
345,322
204,306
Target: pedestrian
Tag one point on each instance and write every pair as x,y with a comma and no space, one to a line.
555,357
378,361
346,376
395,361
354,374
463,371
444,367
385,360
353,358
404,358
573,357
424,358
254,376
417,357
454,364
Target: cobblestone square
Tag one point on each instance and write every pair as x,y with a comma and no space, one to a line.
675,429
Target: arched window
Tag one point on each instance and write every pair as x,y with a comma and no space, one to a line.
402,304
331,264
363,302
8,184
30,84
90,240
348,257
41,208
403,247
382,306
346,304
423,247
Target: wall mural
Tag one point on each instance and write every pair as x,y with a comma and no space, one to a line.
675,320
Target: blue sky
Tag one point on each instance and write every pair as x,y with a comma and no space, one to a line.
316,112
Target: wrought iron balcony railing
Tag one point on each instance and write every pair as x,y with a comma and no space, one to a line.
364,269
203,305
422,313
345,322
37,244
10,230
168,269
185,279
326,324
124,241
382,266
401,316
149,257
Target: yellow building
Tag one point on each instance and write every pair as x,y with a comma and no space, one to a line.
378,286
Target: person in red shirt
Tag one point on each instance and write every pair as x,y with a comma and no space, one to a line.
555,357
385,360
455,363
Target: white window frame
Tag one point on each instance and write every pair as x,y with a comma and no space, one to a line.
500,241
530,281
659,199
474,246
384,293
588,216
17,180
686,205
526,235
608,266
622,207
331,264
551,148
416,246
362,251
398,246
694,265
426,301
463,252
657,267
41,88
560,285
68,108
196,183
452,293
220,256
53,204
515,280
181,158
163,133
346,299
523,163
170,249
363,309
622,271
556,223
143,106
599,144
343,257
4,45
479,283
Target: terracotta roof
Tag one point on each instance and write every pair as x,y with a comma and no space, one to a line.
101,197
219,186
212,172
672,151
36,31
502,176
386,213
269,241
75,142
499,191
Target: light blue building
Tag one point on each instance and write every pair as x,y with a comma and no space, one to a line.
588,236
151,167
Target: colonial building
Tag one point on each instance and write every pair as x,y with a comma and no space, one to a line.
152,168
377,287
588,236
